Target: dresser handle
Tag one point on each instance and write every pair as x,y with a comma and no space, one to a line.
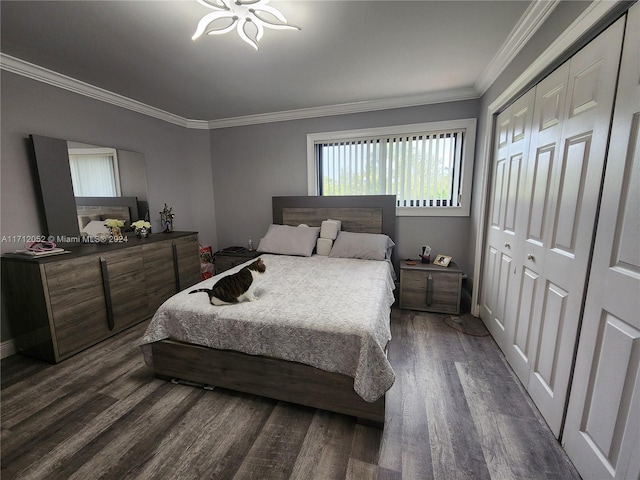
107,292
429,290
176,270
507,245
531,257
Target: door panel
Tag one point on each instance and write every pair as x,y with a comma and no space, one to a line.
602,429
549,161
540,194
551,326
571,194
575,182
511,152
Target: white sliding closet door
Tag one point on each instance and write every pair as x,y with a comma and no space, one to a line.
537,258
602,431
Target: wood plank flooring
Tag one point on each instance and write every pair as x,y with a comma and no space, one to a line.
456,411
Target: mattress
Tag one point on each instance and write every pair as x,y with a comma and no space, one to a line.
330,313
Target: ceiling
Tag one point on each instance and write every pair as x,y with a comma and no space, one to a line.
373,54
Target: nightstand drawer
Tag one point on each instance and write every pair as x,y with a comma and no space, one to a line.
430,290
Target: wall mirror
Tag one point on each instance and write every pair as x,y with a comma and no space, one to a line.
82,185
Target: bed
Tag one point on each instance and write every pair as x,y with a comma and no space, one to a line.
316,336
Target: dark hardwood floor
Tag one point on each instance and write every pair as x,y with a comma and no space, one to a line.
455,412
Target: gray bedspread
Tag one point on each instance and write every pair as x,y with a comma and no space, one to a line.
331,313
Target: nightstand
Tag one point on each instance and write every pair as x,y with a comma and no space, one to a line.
430,288
226,258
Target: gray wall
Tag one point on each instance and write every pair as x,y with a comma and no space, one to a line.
253,163
178,160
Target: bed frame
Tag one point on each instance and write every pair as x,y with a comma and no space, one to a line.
280,379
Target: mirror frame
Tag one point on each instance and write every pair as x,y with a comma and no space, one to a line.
58,203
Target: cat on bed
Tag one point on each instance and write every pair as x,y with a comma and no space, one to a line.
236,287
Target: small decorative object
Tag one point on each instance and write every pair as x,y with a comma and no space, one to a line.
114,226
207,267
166,215
250,245
426,254
142,228
442,260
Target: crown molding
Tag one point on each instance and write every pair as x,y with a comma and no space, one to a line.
347,108
531,20
35,72
40,74
590,17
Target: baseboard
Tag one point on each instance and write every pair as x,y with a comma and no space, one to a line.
7,348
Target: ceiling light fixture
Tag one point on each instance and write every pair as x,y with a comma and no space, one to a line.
249,17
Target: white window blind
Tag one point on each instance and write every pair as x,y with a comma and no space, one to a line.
94,174
422,170
428,166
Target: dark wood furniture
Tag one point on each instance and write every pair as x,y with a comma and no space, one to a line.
59,305
224,260
430,288
281,379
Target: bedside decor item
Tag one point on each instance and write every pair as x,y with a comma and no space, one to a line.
142,228
442,260
426,254
115,228
240,14
166,215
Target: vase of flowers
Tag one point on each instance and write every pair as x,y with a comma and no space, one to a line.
142,228
115,229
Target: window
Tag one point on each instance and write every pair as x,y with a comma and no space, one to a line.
427,166
94,172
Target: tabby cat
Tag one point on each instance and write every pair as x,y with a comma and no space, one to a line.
236,287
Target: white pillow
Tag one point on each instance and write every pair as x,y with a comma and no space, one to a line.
324,246
368,246
330,229
288,240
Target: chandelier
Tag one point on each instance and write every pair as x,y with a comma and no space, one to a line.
248,17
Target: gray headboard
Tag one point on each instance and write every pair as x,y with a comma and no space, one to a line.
366,213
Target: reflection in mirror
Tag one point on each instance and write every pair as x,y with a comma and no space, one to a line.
105,181
94,172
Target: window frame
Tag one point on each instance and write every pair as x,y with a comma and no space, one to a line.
468,156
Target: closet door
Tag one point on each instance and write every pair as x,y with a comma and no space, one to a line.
562,262
602,430
538,198
541,224
504,237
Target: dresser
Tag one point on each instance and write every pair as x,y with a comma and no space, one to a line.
430,288
62,304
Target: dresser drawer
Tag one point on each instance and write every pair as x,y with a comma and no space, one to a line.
430,290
